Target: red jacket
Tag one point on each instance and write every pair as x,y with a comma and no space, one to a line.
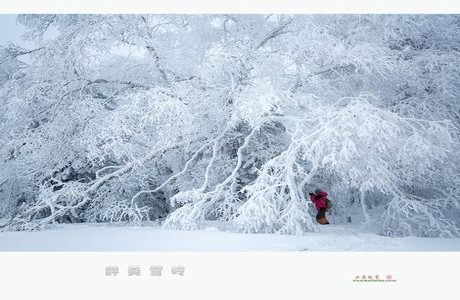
320,200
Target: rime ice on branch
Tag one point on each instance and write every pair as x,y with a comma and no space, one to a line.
180,119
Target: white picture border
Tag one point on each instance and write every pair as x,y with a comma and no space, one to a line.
232,275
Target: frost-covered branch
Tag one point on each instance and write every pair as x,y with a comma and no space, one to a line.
232,119
275,32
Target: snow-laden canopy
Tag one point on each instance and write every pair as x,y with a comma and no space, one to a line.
188,118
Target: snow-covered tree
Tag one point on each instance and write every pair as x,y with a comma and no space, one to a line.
188,118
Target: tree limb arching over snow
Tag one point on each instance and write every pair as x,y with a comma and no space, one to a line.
181,119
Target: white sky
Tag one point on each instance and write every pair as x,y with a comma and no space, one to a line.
11,31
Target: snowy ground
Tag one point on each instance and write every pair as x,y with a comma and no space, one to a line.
98,237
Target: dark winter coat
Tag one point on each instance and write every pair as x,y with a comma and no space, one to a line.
320,200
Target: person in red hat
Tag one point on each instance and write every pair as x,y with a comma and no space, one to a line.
320,200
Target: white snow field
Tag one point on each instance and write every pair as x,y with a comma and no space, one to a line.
102,237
